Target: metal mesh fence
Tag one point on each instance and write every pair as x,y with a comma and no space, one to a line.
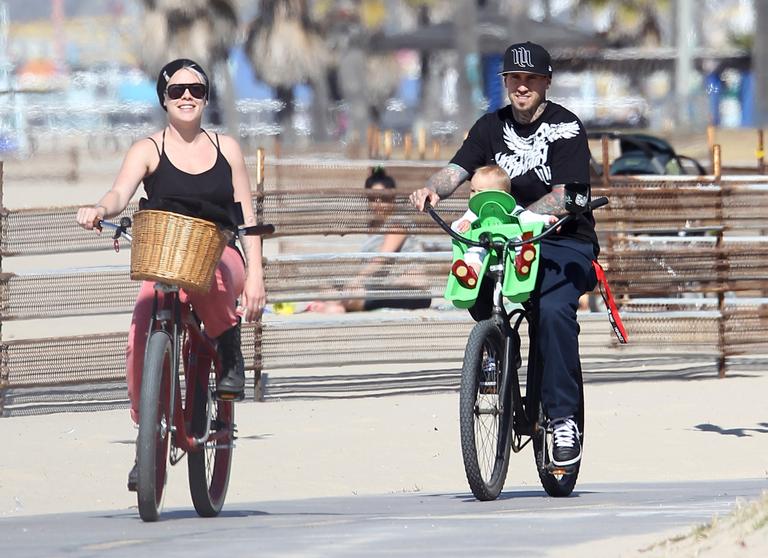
330,276
302,211
667,238
86,373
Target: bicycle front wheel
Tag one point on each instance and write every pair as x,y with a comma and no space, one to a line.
484,413
154,425
209,467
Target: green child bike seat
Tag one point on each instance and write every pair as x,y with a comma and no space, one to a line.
494,210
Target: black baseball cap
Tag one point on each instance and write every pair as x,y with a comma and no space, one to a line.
528,58
174,66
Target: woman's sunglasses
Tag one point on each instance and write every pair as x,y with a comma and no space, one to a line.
197,90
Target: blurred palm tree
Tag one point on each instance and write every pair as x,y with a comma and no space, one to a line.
363,80
325,45
203,30
632,22
286,49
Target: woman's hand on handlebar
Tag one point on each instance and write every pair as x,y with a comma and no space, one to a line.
89,217
254,297
418,197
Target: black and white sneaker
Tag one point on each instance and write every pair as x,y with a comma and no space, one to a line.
566,446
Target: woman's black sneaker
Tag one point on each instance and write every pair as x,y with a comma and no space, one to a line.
133,477
231,385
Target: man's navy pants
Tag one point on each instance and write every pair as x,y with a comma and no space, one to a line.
565,273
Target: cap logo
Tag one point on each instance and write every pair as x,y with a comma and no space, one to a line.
521,57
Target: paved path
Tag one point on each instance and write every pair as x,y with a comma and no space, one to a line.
522,522
673,452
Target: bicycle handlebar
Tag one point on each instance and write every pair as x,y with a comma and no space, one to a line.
257,230
447,228
486,243
121,230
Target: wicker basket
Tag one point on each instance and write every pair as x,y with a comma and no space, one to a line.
176,249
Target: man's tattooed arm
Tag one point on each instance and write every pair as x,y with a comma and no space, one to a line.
445,181
550,204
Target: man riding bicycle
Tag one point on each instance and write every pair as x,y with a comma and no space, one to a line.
543,147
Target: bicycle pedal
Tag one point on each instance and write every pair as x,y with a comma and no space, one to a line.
560,470
229,396
488,388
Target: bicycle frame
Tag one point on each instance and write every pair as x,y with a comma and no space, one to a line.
177,320
171,426
525,423
196,349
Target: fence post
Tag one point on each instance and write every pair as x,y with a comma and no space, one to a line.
3,355
258,362
436,149
422,143
387,136
722,262
74,160
407,145
606,162
257,344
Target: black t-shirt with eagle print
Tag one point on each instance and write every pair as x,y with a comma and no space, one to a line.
550,151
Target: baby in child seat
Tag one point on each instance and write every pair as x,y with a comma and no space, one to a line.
490,177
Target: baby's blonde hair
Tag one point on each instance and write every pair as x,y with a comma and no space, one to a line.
498,176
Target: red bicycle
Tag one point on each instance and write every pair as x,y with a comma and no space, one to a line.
182,415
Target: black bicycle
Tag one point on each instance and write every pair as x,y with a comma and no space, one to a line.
496,412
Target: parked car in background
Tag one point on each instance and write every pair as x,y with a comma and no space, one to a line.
644,154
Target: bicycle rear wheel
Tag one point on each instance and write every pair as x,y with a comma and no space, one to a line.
557,482
154,425
209,467
484,413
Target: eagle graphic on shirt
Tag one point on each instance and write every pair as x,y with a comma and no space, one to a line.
526,153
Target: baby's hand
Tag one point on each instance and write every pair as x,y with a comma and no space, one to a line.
528,217
463,225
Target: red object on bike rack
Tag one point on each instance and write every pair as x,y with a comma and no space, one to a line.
613,312
526,255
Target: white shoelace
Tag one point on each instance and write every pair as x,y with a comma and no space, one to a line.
565,432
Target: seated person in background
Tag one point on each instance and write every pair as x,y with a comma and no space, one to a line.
381,188
489,177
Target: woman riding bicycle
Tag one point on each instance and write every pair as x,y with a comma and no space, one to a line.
543,147
187,170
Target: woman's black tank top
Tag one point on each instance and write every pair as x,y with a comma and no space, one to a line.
210,193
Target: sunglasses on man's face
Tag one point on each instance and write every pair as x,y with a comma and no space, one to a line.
197,90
